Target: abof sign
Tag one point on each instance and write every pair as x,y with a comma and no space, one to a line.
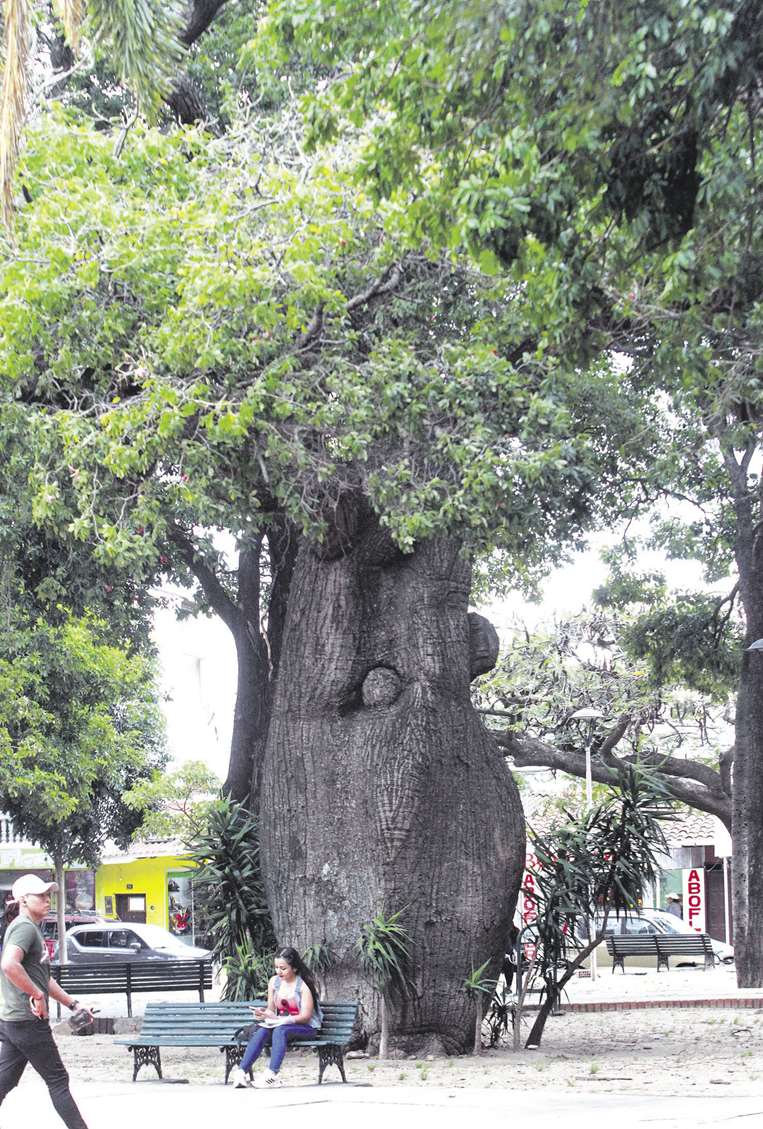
694,898
529,907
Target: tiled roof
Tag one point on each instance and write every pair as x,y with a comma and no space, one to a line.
689,828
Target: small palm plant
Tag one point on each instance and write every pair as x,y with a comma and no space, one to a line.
320,958
598,863
384,948
247,972
477,986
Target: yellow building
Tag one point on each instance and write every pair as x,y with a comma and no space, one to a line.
150,883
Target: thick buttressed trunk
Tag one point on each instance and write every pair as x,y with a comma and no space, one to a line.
381,789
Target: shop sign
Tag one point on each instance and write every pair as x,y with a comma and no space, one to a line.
694,898
528,904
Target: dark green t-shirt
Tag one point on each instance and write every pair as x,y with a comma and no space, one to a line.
14,1004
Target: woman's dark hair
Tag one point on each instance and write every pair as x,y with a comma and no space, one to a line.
10,913
292,957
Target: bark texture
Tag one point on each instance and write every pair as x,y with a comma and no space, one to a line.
747,789
747,825
381,789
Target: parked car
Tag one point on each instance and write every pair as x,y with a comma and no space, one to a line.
126,941
49,926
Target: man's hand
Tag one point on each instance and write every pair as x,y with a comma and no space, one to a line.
81,1018
39,1006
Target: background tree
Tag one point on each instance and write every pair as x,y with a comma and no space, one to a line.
79,724
175,803
648,716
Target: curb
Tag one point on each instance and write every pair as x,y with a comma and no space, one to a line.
631,1005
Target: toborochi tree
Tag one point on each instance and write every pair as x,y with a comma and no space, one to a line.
229,335
234,335
606,158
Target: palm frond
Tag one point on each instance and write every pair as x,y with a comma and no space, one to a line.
142,39
14,96
71,14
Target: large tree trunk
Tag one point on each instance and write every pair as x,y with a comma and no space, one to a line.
747,825
381,789
747,786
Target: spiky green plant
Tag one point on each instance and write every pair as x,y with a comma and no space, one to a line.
606,858
321,958
229,893
384,948
246,972
477,987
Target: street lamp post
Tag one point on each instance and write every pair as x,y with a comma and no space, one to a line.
591,716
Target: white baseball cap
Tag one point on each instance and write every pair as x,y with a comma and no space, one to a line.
31,884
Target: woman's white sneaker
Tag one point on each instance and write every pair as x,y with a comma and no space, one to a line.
270,1081
240,1079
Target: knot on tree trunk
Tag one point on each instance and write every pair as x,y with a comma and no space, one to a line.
381,686
483,645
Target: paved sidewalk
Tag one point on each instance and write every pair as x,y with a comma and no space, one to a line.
115,1105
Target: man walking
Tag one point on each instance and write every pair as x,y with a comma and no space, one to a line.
25,986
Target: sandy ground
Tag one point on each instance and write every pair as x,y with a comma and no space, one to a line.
674,1051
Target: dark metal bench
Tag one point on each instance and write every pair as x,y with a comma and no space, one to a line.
685,944
662,946
220,1024
630,945
134,976
190,1025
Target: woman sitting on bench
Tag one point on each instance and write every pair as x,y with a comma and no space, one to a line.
292,1010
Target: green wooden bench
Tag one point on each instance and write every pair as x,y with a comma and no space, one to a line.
220,1025
127,977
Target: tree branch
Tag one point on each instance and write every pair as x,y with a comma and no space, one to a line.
384,285
201,15
696,785
218,598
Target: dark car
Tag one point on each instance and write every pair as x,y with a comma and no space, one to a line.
49,926
112,940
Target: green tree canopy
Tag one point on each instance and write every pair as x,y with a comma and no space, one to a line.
269,349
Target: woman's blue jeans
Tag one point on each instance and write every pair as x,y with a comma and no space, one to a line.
277,1037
